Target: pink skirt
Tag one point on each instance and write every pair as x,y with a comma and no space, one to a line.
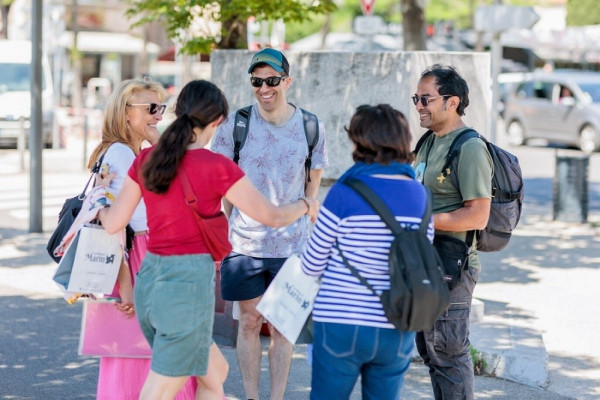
123,378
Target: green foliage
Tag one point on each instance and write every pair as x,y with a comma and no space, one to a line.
583,12
459,11
479,363
179,16
342,18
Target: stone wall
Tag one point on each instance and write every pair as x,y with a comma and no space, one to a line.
333,84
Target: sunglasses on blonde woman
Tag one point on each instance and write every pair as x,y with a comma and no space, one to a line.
152,108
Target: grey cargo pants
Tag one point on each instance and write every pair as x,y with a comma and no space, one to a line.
445,348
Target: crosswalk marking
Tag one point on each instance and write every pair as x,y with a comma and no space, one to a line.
15,197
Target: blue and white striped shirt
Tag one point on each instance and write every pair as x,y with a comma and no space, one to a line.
365,240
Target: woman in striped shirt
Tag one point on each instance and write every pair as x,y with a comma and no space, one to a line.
352,335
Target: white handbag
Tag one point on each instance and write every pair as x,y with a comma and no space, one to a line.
97,261
289,299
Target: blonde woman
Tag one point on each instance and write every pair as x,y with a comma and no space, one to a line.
132,113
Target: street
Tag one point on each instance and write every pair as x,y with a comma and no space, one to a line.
549,273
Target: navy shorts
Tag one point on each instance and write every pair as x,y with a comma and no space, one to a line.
245,278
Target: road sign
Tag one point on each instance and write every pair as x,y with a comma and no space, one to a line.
499,18
367,6
368,25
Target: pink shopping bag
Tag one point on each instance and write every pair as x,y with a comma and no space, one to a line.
106,332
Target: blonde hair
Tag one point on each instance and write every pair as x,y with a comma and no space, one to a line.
115,128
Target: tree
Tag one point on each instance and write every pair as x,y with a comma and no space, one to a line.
4,9
583,12
413,24
191,22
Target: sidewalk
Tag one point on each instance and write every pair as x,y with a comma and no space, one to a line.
538,333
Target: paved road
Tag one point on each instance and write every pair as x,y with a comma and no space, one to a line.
549,272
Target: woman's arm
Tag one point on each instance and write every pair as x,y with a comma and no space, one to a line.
125,290
249,200
117,216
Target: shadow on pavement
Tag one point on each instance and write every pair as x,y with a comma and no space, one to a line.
38,351
23,249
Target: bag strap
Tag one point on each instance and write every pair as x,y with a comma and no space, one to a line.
383,210
386,215
422,140
190,197
242,124
354,271
240,131
455,149
95,170
311,131
453,152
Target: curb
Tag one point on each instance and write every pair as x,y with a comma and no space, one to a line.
511,349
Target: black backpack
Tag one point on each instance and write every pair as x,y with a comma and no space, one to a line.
507,191
418,293
240,131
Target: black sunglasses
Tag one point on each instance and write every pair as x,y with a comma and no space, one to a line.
426,99
271,81
152,107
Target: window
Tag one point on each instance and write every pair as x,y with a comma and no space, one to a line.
542,90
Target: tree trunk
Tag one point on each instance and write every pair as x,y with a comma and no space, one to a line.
4,10
413,24
235,34
325,30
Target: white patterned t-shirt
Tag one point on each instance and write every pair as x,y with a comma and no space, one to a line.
273,159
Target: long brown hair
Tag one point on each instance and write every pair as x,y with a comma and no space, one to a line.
115,128
199,103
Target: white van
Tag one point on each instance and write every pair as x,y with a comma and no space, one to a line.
15,95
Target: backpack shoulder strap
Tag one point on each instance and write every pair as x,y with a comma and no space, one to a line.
376,203
354,271
454,151
451,157
240,131
383,210
311,130
421,141
457,143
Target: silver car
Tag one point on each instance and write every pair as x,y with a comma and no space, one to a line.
560,107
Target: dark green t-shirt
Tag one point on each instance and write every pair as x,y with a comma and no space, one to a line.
474,173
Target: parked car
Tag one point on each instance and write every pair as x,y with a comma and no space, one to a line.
561,107
507,82
15,93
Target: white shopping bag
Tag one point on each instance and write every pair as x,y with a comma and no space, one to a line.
289,299
97,261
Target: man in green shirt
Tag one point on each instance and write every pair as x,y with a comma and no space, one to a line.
441,98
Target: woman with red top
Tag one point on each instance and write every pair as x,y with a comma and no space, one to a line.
174,292
130,118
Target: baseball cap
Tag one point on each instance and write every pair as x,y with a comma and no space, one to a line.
273,58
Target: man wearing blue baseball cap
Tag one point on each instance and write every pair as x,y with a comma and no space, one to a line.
281,148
